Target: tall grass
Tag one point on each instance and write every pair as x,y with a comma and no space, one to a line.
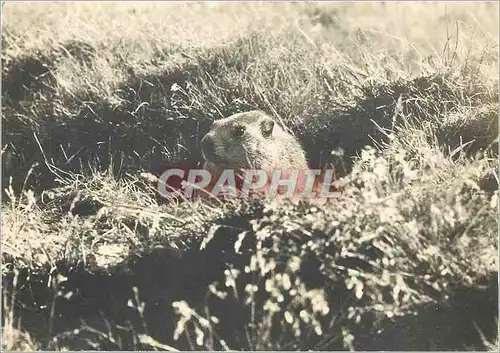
405,94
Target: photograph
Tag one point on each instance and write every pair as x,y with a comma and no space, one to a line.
250,175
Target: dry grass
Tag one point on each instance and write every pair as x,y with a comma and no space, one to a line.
94,94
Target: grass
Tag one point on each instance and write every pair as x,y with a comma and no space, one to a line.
93,95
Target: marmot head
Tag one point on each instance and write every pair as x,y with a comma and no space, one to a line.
239,140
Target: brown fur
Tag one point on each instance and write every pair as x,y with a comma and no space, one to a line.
251,140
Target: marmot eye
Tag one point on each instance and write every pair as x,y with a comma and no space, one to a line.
238,131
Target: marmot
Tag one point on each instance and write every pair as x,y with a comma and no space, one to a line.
251,140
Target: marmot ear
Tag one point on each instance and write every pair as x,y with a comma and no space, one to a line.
267,127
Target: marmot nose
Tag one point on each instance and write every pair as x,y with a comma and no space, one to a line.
207,145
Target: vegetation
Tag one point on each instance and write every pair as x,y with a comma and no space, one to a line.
401,97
